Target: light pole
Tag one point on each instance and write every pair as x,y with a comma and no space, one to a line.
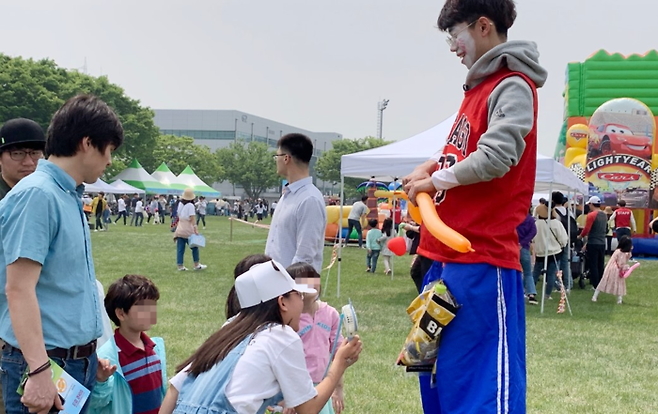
236,130
252,131
381,105
267,137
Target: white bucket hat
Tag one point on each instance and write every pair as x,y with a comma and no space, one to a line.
266,281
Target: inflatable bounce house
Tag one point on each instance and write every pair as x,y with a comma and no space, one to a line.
379,208
609,134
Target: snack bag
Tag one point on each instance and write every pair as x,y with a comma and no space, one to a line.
430,312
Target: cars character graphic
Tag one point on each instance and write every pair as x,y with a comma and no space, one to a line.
619,139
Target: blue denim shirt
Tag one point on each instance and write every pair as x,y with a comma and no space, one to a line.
41,219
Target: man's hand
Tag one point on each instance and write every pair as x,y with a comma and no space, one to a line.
425,185
40,393
104,370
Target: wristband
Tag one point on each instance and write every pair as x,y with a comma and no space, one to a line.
40,369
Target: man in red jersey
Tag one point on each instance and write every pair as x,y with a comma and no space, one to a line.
490,153
623,220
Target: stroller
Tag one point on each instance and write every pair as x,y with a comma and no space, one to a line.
579,268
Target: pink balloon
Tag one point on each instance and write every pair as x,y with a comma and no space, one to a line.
398,246
630,270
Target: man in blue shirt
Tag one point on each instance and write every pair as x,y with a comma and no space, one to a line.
49,304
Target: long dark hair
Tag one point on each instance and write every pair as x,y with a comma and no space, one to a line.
216,348
387,226
232,302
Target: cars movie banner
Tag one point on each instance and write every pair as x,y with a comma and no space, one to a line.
619,151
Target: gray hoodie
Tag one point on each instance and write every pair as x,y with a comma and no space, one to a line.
510,114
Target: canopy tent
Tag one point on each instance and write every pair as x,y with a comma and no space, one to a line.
398,159
164,176
189,179
137,176
121,187
99,186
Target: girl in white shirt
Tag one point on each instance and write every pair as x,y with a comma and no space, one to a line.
258,358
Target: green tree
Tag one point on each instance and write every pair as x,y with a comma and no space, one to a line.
328,165
36,89
249,166
178,152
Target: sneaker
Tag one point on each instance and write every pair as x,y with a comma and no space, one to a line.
204,227
182,269
367,270
114,222
548,297
532,299
593,298
200,267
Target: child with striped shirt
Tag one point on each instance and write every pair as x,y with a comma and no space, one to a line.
132,369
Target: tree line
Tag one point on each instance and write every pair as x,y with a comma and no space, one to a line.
35,89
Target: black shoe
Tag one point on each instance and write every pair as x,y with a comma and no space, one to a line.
532,299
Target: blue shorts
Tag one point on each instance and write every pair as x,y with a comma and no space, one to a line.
481,364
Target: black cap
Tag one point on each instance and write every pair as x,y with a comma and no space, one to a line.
21,131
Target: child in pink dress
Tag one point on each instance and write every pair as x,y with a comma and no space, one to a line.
318,326
612,282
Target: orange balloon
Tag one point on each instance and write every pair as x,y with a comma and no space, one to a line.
397,245
438,228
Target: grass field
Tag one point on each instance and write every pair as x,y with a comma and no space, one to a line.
603,359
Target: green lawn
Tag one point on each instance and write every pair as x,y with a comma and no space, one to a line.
604,359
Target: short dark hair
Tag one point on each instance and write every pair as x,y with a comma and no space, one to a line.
625,244
558,198
373,223
501,12
364,198
298,146
127,291
83,116
302,269
621,203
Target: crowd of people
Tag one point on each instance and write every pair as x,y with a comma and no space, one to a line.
273,352
569,236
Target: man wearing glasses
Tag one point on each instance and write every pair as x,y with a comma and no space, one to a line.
490,152
297,230
21,147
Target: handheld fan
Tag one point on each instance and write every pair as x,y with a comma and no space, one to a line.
349,320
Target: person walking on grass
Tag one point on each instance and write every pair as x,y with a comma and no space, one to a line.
358,212
121,208
139,212
387,234
612,281
201,206
97,208
185,228
372,245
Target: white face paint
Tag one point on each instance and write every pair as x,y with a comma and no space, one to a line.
465,48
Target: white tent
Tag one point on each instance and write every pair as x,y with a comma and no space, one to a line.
121,187
400,158
98,186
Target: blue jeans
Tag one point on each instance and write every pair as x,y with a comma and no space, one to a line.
139,219
526,265
354,224
180,251
550,271
371,260
13,366
622,231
